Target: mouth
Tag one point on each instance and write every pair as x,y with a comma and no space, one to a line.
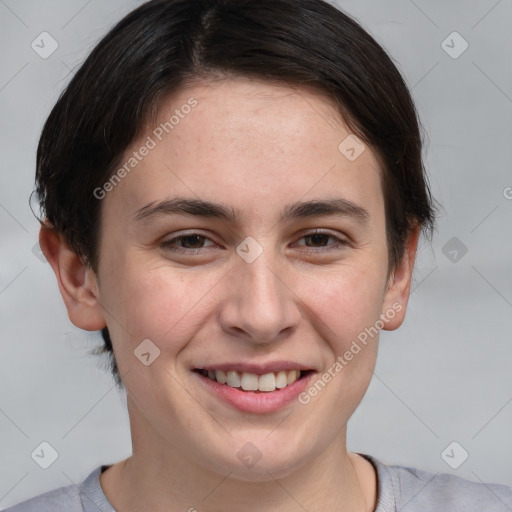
252,382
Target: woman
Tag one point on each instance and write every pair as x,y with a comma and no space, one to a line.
233,193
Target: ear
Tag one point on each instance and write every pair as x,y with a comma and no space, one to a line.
399,285
77,282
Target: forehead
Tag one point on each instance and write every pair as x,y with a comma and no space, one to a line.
250,145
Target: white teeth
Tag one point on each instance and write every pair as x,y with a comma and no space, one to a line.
233,379
252,382
292,376
267,382
249,381
220,376
281,381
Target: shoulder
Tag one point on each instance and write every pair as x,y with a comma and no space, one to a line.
63,499
412,489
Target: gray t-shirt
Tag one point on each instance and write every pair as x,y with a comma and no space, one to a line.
400,489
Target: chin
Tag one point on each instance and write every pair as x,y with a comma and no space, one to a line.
264,463
264,471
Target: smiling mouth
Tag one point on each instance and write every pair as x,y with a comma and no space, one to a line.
246,381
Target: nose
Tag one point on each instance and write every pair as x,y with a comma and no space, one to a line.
260,305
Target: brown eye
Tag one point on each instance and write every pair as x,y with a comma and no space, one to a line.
192,242
318,240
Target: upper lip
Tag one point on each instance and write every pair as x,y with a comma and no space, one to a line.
256,368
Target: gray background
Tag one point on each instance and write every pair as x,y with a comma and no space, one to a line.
444,376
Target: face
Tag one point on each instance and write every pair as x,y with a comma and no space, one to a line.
257,285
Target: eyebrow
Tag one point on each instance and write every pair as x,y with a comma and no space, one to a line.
178,205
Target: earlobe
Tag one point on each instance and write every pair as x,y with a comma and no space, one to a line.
399,285
77,282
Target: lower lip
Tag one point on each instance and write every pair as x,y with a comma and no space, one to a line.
250,401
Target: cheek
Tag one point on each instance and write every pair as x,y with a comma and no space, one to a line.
346,307
347,310
151,300
347,300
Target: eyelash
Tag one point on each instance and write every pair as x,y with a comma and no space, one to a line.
167,245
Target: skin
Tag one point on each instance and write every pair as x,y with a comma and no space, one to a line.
255,147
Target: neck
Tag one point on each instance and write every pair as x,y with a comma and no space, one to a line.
163,479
